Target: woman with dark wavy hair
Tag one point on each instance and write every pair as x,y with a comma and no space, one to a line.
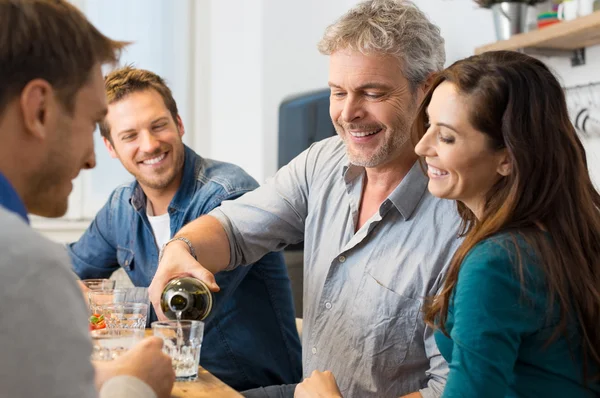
519,314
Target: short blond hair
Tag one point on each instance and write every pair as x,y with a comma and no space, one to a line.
391,27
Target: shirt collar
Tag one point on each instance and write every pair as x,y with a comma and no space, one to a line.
406,196
408,193
11,200
192,166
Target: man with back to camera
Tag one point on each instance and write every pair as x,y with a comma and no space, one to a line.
51,98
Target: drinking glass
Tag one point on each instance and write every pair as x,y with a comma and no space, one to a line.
125,315
98,298
182,342
134,295
108,344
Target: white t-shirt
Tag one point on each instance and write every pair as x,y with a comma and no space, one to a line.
161,226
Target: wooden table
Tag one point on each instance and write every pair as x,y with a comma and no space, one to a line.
206,386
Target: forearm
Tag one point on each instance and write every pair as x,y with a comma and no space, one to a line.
210,242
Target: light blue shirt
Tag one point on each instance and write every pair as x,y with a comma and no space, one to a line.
363,291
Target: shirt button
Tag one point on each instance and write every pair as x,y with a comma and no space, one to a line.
314,350
328,305
341,259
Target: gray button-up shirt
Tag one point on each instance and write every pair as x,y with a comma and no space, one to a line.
364,290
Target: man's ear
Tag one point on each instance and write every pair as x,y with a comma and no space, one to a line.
39,106
180,126
425,86
505,164
111,149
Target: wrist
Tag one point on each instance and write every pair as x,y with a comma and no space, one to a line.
180,241
103,372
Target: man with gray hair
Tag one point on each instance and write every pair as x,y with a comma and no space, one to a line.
376,242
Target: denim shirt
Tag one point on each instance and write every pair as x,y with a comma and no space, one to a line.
250,337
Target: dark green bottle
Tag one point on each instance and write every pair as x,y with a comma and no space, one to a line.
187,296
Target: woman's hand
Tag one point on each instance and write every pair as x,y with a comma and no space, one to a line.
318,385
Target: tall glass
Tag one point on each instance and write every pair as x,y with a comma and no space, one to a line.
182,342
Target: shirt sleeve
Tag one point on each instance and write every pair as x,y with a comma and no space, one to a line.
438,367
126,387
94,255
270,217
492,311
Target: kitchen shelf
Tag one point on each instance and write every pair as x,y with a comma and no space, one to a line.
563,38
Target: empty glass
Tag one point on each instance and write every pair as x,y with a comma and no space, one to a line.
125,315
108,344
182,342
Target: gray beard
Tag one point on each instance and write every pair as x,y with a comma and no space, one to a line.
383,154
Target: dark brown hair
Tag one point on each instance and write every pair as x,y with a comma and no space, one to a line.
50,40
124,81
519,104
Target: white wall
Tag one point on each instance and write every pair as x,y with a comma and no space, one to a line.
260,52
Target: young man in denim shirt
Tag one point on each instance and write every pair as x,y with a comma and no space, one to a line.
250,337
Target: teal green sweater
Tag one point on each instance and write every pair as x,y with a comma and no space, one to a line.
498,328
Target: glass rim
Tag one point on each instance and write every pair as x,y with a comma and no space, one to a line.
95,280
125,304
107,291
185,323
112,333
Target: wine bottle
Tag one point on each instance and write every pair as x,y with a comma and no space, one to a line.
186,298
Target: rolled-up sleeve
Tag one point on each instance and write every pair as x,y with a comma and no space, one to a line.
270,217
